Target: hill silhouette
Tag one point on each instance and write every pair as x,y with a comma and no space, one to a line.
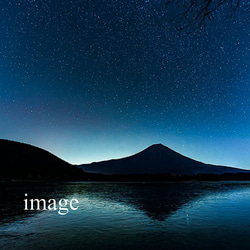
23,161
156,160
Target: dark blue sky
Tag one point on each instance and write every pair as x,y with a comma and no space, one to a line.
94,80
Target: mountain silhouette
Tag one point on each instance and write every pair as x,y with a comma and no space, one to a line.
23,161
156,160
26,162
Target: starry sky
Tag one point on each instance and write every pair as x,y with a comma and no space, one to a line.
99,79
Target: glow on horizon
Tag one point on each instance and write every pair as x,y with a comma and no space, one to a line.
223,151
209,154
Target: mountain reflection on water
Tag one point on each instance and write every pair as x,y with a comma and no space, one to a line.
156,200
176,215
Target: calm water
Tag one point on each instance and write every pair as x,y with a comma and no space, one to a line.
185,215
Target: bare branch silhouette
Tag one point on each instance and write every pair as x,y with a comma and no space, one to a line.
197,13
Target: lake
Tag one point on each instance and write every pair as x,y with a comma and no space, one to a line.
175,215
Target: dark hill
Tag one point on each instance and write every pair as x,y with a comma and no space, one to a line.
156,160
23,161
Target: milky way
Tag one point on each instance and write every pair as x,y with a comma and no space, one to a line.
94,80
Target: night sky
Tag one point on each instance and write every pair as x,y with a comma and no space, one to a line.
94,80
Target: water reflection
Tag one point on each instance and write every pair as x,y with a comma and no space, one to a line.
187,215
13,194
156,200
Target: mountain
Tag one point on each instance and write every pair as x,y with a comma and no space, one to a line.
23,161
26,162
156,160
